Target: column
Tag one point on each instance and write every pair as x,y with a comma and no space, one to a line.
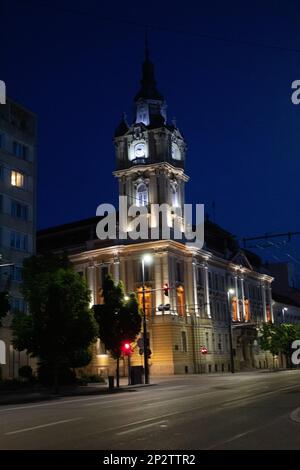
236,288
116,269
263,295
195,289
270,302
206,291
243,299
91,283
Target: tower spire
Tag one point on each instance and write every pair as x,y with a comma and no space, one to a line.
146,47
148,90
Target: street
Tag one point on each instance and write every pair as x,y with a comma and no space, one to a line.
255,410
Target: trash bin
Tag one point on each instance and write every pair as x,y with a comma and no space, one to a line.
136,375
111,382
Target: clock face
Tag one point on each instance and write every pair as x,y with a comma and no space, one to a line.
176,155
139,150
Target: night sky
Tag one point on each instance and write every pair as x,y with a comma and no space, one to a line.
225,69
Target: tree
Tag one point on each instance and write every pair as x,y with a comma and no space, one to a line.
278,339
118,320
60,326
4,305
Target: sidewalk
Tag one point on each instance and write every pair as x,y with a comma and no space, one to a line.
31,396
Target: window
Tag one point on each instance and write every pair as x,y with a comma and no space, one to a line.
180,300
20,150
226,343
17,179
210,280
103,273
207,340
19,241
184,341
179,269
16,273
200,276
19,210
142,195
219,342
148,300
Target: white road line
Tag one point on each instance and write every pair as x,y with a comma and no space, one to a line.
140,427
47,425
249,398
234,438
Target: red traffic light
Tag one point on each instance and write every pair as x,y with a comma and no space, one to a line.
126,348
166,289
203,350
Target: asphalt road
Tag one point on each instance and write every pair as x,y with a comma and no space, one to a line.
242,411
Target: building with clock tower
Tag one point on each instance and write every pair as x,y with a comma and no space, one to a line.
217,293
150,153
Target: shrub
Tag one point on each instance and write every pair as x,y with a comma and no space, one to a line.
92,378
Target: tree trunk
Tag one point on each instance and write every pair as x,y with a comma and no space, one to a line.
118,372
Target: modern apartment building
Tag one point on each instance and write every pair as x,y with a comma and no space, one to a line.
17,214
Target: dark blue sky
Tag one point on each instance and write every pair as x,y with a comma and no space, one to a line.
225,69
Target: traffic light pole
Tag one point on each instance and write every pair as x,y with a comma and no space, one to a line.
146,366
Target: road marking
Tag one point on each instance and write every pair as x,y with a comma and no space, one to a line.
234,438
140,427
249,398
294,415
47,425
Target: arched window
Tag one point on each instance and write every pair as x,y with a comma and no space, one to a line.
142,195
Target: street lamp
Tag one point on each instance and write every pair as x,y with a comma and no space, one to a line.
230,292
146,259
284,309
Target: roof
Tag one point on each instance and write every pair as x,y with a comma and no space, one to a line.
81,235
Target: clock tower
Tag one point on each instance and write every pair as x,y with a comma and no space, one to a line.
150,153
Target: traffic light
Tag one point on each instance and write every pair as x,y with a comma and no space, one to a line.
166,289
126,348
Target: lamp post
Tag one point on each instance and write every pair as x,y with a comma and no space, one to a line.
230,292
284,309
145,259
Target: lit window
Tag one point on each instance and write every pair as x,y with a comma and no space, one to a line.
148,300
142,195
180,300
17,179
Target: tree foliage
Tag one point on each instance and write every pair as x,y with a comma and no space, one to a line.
118,320
60,326
278,339
4,305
